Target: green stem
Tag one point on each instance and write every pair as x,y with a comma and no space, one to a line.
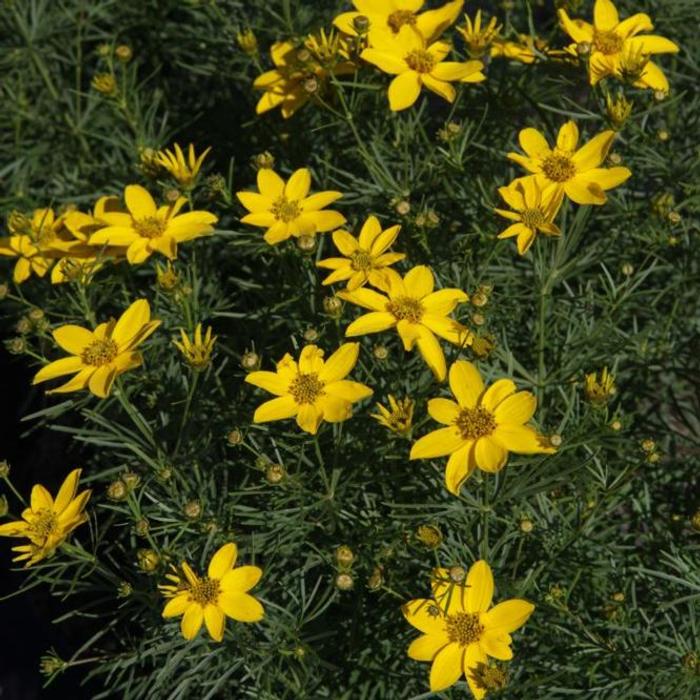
186,412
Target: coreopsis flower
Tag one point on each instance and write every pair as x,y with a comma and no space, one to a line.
417,64
312,390
147,229
184,170
600,387
534,210
615,47
96,358
478,38
210,599
301,72
386,18
574,170
460,629
366,257
398,418
482,426
416,311
48,522
287,209
196,351
617,110
247,42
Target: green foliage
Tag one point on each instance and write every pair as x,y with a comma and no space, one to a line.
611,559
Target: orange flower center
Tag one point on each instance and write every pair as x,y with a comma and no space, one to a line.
406,309
474,423
100,352
361,261
397,19
285,210
464,628
420,60
607,42
558,168
205,591
306,388
43,524
533,218
149,227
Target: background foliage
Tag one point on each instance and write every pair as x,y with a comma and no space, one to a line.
611,559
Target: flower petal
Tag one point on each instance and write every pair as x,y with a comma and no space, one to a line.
176,606
521,439
309,417
439,443
404,90
447,667
508,616
459,468
298,185
443,301
443,411
493,646
466,383
496,393
67,492
276,409
139,202
533,143
215,622
517,408
131,322
344,242
593,153
269,381
479,586
427,646
432,353
58,368
348,390
270,183
241,606
192,621
222,561
241,579
373,322
73,339
340,363
419,282
605,17
385,61
490,456
424,615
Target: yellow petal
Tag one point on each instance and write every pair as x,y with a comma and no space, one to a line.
496,393
439,87
344,242
479,586
78,382
191,621
459,468
270,184
223,560
447,667
424,615
269,381
533,143
176,606
67,492
298,185
241,606
367,298
466,383
604,178
567,138
215,622
309,417
100,383
427,646
73,339
605,15
439,443
276,409
433,22
319,200
241,579
325,220
404,90
489,455
517,408
311,359
334,409
385,61
431,351
443,411
495,647
139,202
340,363
472,658
348,390
373,322
131,322
508,616
593,153
419,282
41,498
443,301
59,368
521,439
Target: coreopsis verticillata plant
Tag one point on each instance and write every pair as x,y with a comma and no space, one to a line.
483,426
416,310
599,388
398,418
417,64
210,599
147,228
184,169
98,357
287,209
460,628
311,390
617,48
386,18
197,350
534,209
366,257
576,171
48,522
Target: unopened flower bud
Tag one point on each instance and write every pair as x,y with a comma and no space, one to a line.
361,24
627,269
275,473
333,306
429,535
192,510
4,507
648,445
141,527
124,589
117,491
306,244
380,352
674,217
457,574
526,525
147,560
4,291
555,440
16,346
403,207
123,53
344,556
583,48
250,361
344,582
131,480
376,579
235,437
311,335
264,160
105,83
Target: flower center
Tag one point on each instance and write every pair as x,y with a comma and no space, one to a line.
306,388
406,309
607,42
285,210
149,227
397,19
361,261
532,218
464,628
205,591
44,524
558,168
474,423
420,60
100,352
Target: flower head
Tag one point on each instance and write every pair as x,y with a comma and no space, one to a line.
534,210
398,418
416,311
196,351
184,170
417,64
365,257
460,629
48,522
312,390
210,599
616,46
482,426
478,38
287,209
97,358
575,171
147,229
600,387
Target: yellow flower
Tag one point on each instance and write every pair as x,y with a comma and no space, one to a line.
398,417
460,629
599,389
483,426
196,352
146,229
287,209
313,390
534,210
387,18
416,311
98,357
417,64
47,523
617,109
479,39
576,172
210,599
247,42
613,43
365,258
184,170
